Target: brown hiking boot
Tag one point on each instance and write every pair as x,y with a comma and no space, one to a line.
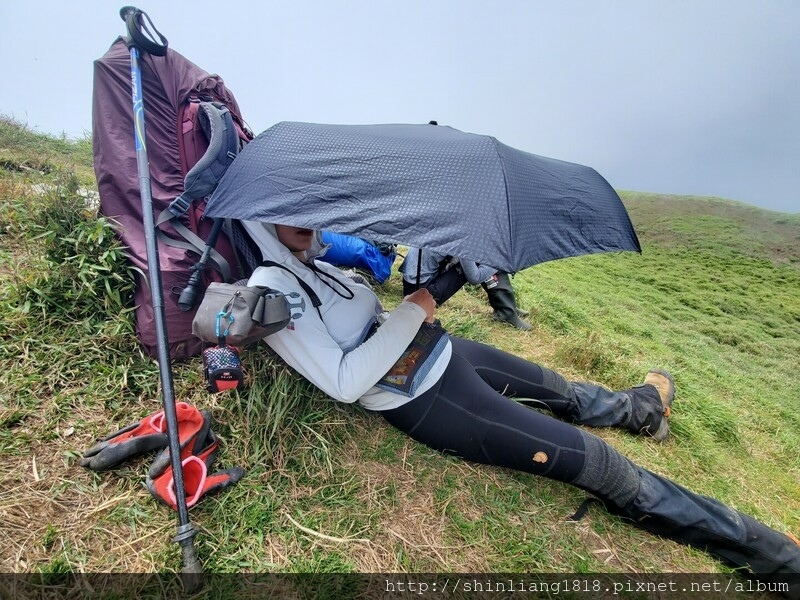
651,402
665,385
663,382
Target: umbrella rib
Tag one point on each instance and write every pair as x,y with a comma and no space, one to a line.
505,187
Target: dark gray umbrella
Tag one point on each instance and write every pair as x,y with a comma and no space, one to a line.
427,186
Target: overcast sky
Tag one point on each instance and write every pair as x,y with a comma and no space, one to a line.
693,97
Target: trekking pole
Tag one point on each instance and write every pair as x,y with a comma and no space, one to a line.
192,569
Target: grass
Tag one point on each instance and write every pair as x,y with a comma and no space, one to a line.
331,488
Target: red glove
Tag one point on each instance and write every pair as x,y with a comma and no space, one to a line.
138,438
196,480
144,436
194,427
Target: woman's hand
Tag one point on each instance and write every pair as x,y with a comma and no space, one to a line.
424,300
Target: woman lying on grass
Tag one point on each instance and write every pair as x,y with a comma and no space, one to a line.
462,403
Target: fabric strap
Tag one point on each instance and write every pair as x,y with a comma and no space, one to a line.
315,301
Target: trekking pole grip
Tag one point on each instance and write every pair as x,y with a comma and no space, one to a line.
139,33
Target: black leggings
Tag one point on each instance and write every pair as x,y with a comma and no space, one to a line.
469,413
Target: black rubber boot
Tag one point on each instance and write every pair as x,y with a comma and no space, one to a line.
672,511
501,298
667,509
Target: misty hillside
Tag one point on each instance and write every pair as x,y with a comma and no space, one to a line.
713,223
714,297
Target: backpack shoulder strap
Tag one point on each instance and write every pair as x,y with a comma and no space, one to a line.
217,123
223,147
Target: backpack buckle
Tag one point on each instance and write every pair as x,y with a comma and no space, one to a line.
179,206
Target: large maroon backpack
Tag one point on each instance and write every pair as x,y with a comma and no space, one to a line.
178,98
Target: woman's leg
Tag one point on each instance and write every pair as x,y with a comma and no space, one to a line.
463,415
673,511
637,409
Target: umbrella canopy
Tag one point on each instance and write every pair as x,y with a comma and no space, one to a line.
426,186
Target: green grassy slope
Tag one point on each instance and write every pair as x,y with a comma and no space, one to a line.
714,297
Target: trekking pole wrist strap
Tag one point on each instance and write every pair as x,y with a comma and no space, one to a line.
139,25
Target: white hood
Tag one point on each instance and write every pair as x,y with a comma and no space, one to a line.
265,236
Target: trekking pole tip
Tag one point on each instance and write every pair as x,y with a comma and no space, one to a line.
192,574
192,570
188,297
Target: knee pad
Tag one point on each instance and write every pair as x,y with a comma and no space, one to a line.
607,474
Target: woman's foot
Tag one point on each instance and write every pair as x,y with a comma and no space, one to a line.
663,382
665,385
651,404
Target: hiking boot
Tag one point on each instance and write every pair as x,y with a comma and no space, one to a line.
672,511
663,382
512,320
651,404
